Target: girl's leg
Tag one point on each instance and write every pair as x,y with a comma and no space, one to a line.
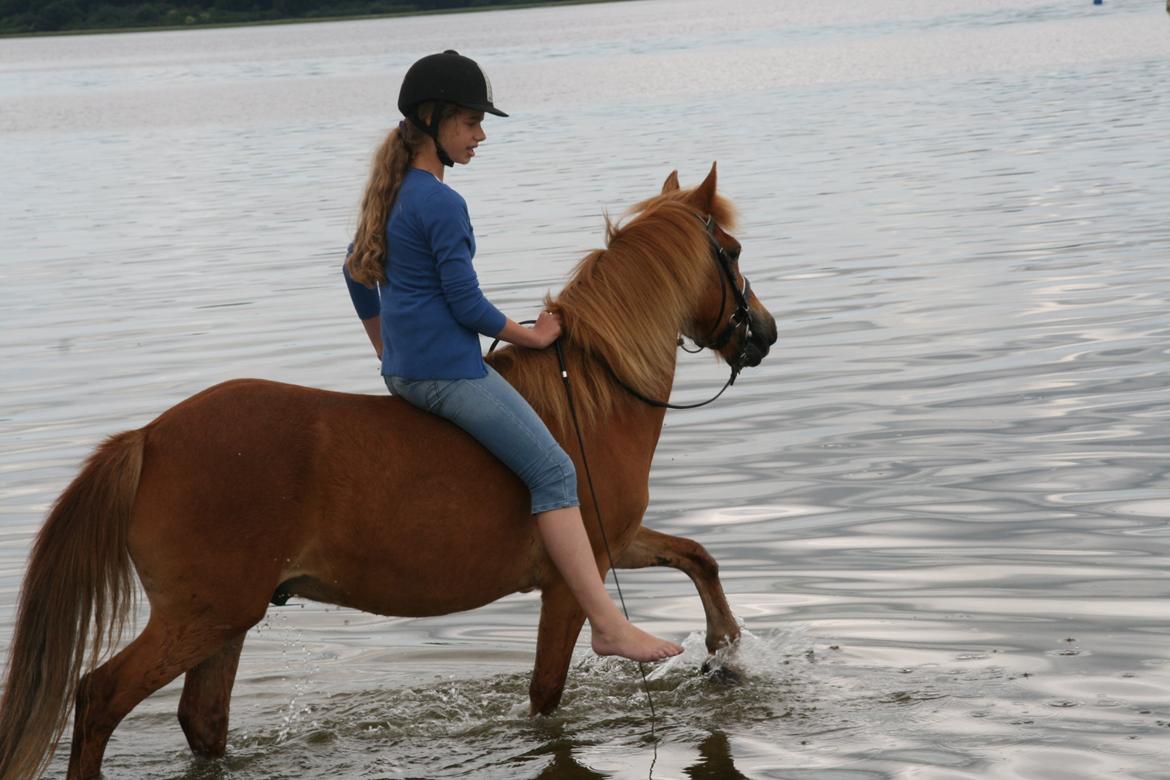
567,544
501,420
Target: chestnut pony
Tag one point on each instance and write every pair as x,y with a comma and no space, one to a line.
251,491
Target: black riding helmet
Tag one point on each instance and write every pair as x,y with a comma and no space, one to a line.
448,77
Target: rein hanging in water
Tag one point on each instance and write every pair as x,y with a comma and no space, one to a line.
741,318
601,523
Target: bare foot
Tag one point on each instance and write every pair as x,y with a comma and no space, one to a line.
631,642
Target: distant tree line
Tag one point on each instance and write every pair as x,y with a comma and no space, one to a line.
32,16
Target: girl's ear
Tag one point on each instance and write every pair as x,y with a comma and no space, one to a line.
425,111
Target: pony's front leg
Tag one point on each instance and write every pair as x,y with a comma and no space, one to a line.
651,548
561,619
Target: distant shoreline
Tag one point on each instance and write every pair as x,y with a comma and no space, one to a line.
305,20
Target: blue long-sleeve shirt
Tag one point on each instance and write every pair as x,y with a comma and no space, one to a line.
431,307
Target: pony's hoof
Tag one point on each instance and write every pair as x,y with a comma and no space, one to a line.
720,673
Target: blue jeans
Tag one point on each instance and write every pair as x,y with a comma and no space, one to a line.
501,420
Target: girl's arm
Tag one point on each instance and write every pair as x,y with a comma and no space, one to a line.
367,303
544,332
453,244
373,326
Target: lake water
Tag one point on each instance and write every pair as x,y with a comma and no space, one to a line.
940,505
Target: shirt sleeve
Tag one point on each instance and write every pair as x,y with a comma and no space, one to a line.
366,302
453,242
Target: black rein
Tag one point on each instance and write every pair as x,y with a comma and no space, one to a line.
740,318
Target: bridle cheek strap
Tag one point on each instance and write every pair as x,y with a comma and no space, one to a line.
742,316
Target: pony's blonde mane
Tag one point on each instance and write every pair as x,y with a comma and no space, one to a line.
622,310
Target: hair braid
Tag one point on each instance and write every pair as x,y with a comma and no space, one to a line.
367,261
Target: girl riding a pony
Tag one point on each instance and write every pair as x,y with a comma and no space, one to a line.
410,275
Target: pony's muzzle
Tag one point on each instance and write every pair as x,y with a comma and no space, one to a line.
760,336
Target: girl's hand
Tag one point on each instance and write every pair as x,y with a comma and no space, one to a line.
544,332
547,329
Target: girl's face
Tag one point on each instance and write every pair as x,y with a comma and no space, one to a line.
461,134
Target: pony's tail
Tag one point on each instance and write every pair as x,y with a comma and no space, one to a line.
78,592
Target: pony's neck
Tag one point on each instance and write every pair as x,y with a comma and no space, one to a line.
599,399
622,311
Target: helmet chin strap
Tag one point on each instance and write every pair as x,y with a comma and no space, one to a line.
432,130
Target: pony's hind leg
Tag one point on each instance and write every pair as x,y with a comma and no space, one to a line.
207,692
651,548
162,652
561,619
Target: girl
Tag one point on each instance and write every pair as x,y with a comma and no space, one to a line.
414,243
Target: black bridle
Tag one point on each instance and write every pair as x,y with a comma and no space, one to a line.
741,318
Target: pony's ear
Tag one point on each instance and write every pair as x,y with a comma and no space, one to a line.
704,194
671,183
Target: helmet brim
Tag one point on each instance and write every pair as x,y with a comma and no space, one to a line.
487,110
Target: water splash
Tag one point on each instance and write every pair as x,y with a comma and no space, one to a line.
299,668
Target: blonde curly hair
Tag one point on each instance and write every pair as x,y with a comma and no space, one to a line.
367,261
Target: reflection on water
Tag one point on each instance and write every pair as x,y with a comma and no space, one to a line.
714,763
940,504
